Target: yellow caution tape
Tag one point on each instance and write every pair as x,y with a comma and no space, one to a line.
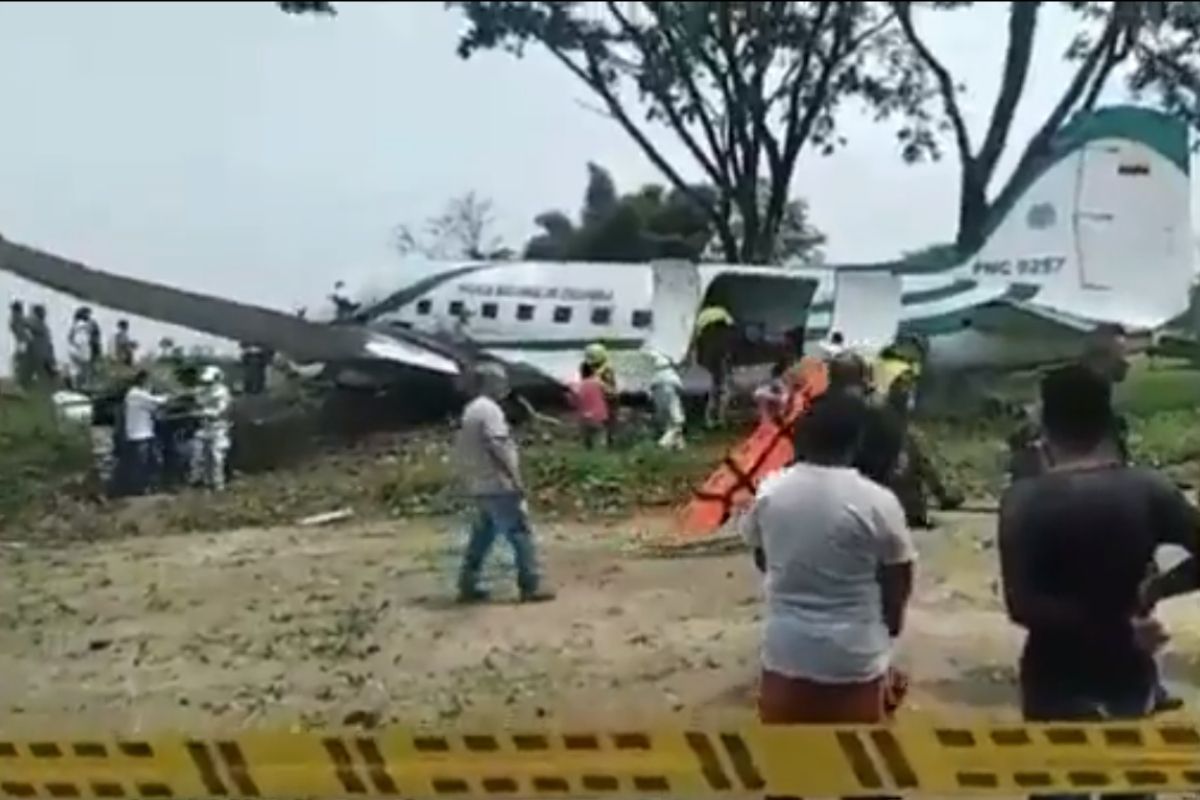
796,761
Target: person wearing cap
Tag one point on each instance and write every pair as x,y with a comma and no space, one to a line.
596,357
489,466
211,444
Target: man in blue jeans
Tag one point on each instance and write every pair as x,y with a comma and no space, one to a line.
490,468
1077,544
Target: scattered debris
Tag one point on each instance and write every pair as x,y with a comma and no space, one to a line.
326,518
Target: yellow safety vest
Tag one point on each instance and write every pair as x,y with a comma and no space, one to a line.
710,316
887,370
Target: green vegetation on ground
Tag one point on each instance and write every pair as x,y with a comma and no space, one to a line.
40,457
46,493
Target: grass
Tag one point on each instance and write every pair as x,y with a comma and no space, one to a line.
41,457
43,463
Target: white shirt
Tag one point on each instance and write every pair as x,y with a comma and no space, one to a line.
140,406
77,338
831,350
825,532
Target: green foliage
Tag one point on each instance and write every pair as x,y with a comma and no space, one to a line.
655,223
970,454
39,456
745,87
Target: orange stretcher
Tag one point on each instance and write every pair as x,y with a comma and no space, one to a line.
769,447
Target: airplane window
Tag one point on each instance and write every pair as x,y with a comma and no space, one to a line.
601,315
524,312
489,310
424,306
562,313
456,308
642,319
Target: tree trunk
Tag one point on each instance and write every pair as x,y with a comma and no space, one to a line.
972,210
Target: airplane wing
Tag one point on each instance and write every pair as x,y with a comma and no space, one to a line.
302,340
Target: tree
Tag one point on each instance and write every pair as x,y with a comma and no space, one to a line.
1158,42
746,87
600,198
650,223
462,230
797,239
655,223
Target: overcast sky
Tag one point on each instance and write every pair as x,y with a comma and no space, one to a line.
223,147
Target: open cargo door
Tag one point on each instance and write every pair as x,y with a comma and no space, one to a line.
866,309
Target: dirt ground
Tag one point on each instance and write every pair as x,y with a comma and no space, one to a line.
354,624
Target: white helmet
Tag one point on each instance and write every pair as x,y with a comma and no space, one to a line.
211,374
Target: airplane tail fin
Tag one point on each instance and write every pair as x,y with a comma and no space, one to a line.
1102,229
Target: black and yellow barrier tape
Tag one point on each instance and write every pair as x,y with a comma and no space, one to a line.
907,758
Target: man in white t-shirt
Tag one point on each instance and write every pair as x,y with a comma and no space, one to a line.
141,406
838,563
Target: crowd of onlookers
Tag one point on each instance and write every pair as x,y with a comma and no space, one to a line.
1079,532
34,362
165,432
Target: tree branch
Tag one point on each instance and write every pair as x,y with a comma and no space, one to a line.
685,71
944,80
1022,22
799,126
746,188
1115,54
663,95
1039,145
595,81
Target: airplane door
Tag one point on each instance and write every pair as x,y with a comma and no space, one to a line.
675,300
866,308
1125,221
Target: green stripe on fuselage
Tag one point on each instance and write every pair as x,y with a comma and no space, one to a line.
916,297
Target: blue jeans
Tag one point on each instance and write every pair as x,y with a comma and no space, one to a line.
138,465
504,515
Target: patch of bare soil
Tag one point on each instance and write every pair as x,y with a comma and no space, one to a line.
356,624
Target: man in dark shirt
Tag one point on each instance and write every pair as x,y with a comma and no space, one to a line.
1076,546
887,453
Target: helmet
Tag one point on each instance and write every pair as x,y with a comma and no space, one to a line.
210,374
595,354
659,360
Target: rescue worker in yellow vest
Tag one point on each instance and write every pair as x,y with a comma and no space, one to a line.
714,351
889,366
596,356
211,443
895,376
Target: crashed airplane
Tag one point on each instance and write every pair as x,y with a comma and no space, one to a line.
1100,233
